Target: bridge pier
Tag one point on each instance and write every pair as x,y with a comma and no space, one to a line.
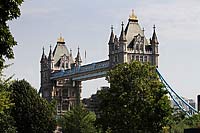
78,86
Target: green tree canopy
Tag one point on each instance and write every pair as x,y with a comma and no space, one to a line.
180,123
78,120
6,121
32,114
9,10
135,101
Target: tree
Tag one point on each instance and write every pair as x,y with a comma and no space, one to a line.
78,120
32,114
6,120
9,10
182,123
135,101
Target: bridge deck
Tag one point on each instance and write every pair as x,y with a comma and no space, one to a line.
85,72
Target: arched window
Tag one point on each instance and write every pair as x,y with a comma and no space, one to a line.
137,46
141,47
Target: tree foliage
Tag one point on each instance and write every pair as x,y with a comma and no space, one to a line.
9,10
78,120
135,101
183,123
31,113
6,120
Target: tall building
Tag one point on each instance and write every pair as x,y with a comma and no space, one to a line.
132,45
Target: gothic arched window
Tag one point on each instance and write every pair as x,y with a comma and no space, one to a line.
137,46
141,47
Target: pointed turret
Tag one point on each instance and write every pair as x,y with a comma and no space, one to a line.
111,41
154,45
116,40
154,39
43,58
50,57
78,60
122,35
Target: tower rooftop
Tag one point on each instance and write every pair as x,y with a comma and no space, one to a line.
61,40
133,17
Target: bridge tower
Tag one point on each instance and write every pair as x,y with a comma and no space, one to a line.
132,44
45,77
65,91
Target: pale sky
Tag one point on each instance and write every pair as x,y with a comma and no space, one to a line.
86,23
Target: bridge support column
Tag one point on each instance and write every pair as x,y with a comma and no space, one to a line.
78,86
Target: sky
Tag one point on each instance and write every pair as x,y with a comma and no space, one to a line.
87,24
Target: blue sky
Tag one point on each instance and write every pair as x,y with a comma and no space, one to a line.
87,24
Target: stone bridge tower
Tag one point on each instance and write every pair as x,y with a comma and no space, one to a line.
65,91
132,44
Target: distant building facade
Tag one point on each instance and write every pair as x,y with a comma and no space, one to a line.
132,45
190,101
92,103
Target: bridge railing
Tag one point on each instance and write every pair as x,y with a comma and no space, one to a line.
81,69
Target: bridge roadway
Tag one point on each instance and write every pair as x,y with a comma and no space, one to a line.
85,72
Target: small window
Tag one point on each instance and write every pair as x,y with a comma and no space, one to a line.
137,47
73,94
67,65
116,58
65,92
133,57
137,58
63,65
141,47
145,58
141,58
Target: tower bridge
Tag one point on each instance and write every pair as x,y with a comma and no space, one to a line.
61,74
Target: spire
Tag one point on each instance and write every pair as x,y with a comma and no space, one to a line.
78,58
133,17
122,35
115,39
43,52
111,36
43,56
154,37
50,57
